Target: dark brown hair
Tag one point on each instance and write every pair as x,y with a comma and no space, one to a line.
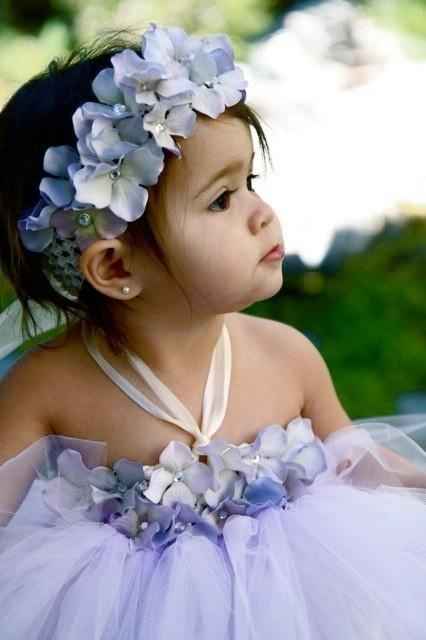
37,116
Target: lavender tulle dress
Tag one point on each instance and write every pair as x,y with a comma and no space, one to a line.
286,537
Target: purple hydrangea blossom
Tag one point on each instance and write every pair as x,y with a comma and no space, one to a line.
170,47
87,225
59,191
257,495
150,81
168,119
121,186
179,477
218,83
34,226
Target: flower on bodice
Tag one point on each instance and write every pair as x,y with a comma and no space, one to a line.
153,504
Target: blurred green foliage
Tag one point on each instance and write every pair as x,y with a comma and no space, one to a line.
32,32
408,17
368,320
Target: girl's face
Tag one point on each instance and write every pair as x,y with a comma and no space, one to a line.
217,228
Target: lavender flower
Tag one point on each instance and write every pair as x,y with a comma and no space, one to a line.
87,225
179,477
167,119
119,185
218,83
148,78
170,47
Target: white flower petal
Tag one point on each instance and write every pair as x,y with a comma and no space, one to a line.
176,456
93,190
179,492
160,479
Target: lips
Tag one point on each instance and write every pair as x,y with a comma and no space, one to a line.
277,247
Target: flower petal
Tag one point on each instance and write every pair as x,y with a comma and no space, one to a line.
273,441
144,164
105,89
97,190
157,45
131,129
264,490
208,101
174,86
108,225
299,430
36,241
106,142
199,477
127,524
56,191
203,68
57,159
102,478
128,471
64,222
161,479
181,121
128,200
176,456
179,492
312,459
225,483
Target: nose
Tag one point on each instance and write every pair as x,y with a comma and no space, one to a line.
261,216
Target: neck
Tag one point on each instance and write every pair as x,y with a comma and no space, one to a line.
174,349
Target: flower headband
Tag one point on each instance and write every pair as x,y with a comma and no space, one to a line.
94,191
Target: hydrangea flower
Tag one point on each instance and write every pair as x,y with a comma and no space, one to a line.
59,161
218,83
87,225
168,119
161,525
96,128
34,226
148,78
170,47
179,477
76,484
257,495
119,185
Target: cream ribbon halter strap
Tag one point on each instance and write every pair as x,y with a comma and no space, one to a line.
216,392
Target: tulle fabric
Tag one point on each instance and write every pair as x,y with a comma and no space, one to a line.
346,560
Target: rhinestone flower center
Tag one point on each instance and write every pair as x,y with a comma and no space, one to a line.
119,109
114,174
84,219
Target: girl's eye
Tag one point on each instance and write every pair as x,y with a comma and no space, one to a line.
222,202
250,179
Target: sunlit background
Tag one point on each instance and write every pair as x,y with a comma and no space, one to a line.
341,88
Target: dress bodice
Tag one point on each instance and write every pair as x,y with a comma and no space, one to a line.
169,407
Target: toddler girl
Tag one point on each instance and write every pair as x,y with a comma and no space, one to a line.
172,467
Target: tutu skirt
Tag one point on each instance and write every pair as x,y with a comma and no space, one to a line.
346,560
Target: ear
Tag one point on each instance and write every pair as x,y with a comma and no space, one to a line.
107,265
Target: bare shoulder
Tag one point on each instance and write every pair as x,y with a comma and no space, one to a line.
320,400
26,393
277,336
33,381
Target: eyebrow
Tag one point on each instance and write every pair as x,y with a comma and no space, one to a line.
232,167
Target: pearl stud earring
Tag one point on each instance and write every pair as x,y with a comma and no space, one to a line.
125,290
